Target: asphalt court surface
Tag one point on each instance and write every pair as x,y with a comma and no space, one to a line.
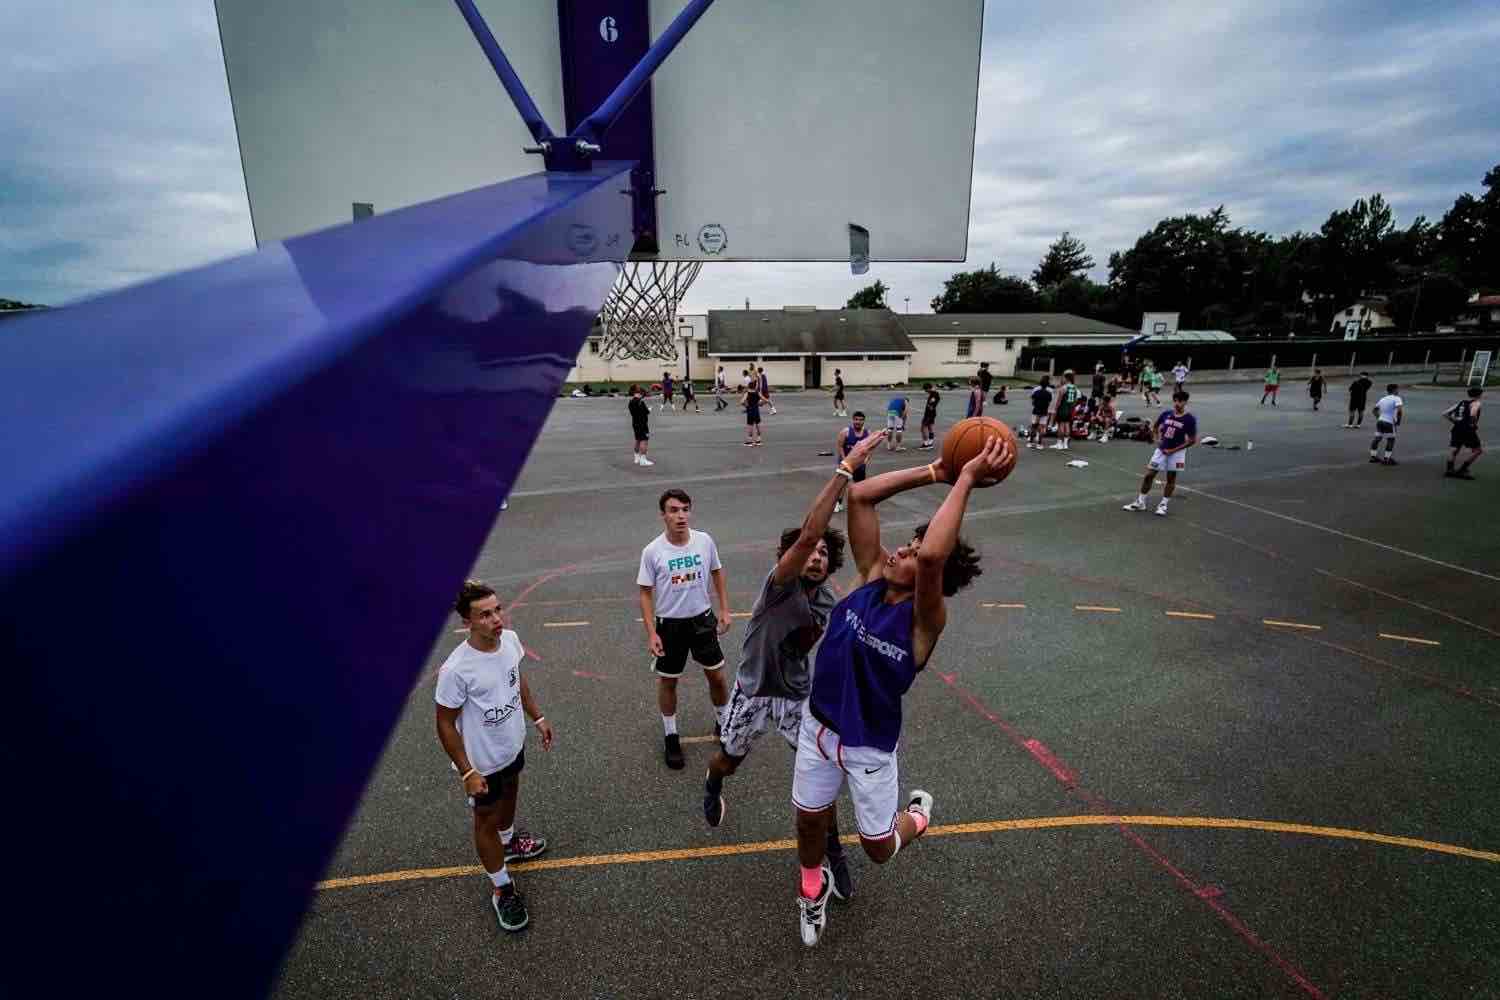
1306,646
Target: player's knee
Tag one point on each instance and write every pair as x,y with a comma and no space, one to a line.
879,851
811,824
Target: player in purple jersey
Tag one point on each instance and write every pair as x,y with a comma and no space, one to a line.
879,637
1176,431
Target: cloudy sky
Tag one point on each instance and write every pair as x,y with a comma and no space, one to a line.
118,158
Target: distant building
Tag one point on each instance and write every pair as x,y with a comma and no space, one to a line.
692,357
1364,316
949,346
800,346
1480,312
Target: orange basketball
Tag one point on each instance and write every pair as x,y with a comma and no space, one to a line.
966,439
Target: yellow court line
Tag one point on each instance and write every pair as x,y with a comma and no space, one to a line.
1190,614
697,739
1410,638
739,614
1272,621
1095,607
562,624
948,830
993,604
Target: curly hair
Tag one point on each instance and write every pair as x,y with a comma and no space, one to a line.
833,538
962,565
471,591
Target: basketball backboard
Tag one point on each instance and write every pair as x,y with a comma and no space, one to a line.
773,126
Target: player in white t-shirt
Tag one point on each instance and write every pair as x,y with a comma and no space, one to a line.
1389,409
480,696
678,614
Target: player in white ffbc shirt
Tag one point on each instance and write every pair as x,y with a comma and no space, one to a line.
676,569
481,694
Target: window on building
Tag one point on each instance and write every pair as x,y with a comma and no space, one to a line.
1033,341
965,347
702,349
593,345
1010,343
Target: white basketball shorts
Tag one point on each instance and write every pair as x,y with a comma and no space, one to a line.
824,764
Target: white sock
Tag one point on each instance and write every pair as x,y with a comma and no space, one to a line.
1141,499
1163,503
501,878
507,834
669,724
722,713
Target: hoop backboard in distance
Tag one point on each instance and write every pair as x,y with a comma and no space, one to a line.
776,123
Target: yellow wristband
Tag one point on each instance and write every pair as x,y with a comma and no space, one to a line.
465,775
932,471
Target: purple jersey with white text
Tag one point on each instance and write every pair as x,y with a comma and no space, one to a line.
1173,431
864,666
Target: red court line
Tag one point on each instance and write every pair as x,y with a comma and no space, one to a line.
1208,895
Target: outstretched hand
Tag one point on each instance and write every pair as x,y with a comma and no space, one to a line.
989,466
860,453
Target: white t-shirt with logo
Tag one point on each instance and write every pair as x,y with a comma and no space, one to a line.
1385,409
679,574
1180,373
486,689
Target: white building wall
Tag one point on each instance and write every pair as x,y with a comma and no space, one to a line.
858,373
937,357
593,369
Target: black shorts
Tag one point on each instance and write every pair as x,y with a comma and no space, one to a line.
1357,405
641,433
1038,414
1385,427
929,417
752,416
681,636
502,779
838,393
1464,437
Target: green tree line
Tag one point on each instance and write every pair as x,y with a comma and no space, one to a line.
1221,276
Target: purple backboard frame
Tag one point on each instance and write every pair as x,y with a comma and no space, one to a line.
234,506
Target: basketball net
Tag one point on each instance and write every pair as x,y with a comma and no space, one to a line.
640,315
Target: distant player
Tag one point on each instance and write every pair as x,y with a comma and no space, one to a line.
1389,411
845,442
765,388
879,638
640,424
976,399
929,414
751,399
985,380
678,615
1464,416
481,695
1315,387
1068,399
1104,418
720,387
1272,386
775,676
895,422
1041,405
667,402
1175,431
1359,391
1097,386
1179,378
689,395
840,406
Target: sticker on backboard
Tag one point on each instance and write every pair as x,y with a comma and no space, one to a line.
712,239
859,249
583,239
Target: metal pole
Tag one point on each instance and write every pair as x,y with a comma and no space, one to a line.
1352,356
507,74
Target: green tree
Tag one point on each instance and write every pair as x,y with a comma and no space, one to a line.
1466,242
1186,264
986,291
1066,258
869,297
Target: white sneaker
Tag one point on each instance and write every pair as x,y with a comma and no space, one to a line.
1161,510
1058,446
838,506
646,461
505,505
814,915
636,458
921,802
1134,505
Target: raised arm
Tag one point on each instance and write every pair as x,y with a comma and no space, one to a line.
929,613
864,523
789,566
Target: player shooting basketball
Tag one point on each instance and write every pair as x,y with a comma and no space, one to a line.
879,637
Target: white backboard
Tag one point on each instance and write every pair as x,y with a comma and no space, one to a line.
777,122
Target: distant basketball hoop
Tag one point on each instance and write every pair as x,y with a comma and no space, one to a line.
640,315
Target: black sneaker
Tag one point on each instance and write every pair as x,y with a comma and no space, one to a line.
713,801
674,753
1463,474
524,846
1374,460
843,882
1390,461
510,909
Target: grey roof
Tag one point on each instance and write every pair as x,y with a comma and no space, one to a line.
1190,337
1007,325
806,331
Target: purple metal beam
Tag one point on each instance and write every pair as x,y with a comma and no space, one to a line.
234,506
509,78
